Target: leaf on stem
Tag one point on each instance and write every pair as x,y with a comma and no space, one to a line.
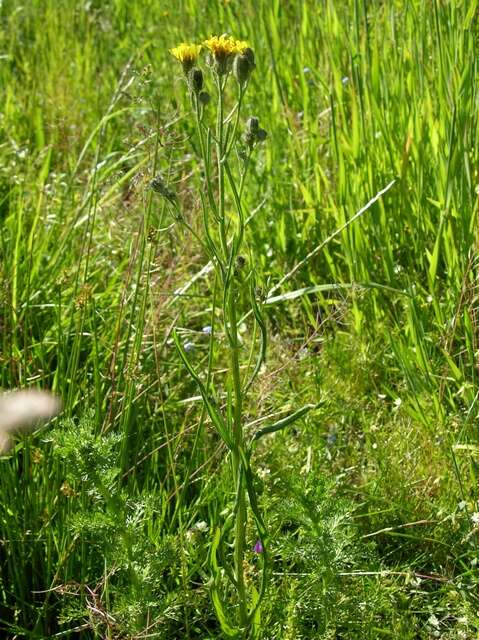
284,422
213,412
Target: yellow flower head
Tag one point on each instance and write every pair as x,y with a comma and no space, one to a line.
187,54
223,49
242,45
224,46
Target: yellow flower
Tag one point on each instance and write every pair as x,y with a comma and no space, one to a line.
187,54
223,49
242,45
225,46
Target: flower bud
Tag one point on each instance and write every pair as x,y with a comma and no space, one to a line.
159,186
239,266
240,262
249,53
242,68
252,125
195,80
204,98
258,547
253,133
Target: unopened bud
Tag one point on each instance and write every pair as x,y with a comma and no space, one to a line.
253,133
249,53
159,186
240,262
204,98
195,80
242,68
252,125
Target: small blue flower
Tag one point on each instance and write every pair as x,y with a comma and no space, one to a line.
331,439
207,330
189,347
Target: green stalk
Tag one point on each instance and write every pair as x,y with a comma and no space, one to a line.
221,172
240,525
231,329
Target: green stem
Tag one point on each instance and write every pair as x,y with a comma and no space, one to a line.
240,541
231,329
205,156
235,370
221,171
231,141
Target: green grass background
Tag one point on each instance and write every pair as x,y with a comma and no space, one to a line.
372,499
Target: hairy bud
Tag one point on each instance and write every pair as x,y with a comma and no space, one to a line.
159,186
252,125
195,80
254,133
243,65
204,98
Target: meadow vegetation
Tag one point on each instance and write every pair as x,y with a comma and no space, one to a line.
111,298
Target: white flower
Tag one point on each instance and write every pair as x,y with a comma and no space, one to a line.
433,621
189,347
24,410
201,526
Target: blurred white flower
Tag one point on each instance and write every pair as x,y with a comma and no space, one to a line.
201,526
23,410
189,347
196,530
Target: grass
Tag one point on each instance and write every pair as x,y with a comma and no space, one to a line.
371,501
